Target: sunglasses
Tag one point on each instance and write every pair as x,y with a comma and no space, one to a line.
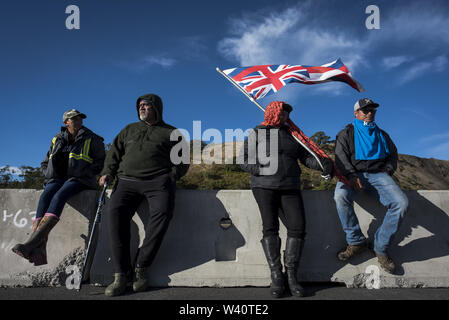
366,111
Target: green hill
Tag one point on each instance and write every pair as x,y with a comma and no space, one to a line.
413,173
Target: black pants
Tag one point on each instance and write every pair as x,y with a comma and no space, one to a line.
285,204
160,194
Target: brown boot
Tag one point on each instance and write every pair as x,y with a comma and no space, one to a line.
386,263
351,251
35,247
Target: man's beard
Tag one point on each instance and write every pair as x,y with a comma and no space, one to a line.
144,116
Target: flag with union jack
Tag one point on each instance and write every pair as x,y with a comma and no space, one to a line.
258,81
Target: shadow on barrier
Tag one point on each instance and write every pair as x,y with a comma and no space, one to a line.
421,236
423,216
86,203
194,237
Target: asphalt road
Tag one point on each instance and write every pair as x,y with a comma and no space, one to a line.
314,292
220,303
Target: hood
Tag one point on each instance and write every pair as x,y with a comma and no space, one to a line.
156,102
273,112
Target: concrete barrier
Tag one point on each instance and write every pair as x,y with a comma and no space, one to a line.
197,251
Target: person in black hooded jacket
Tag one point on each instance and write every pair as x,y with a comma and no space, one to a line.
140,157
275,183
75,157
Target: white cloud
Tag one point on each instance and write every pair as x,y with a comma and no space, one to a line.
439,145
164,62
393,62
257,45
285,37
433,138
296,36
146,62
436,65
282,38
440,151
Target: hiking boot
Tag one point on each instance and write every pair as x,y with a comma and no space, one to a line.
292,257
272,248
386,263
141,283
118,287
351,251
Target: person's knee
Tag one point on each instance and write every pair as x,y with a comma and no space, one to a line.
270,233
296,233
401,204
341,197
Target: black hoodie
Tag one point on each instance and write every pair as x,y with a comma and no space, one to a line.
141,151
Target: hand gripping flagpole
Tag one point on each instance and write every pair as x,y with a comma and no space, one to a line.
327,177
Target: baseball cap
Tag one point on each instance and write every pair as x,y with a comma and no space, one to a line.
362,103
72,113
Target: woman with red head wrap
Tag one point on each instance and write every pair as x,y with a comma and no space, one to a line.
278,190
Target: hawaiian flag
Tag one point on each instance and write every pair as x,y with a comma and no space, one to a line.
258,81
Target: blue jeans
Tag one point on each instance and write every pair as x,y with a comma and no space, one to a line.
384,188
55,195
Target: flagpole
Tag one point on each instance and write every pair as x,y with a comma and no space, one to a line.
241,89
261,108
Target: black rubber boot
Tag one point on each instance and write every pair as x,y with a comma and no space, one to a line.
35,247
118,287
33,230
142,282
292,256
272,249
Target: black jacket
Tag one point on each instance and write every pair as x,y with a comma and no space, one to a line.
345,155
288,172
141,151
85,158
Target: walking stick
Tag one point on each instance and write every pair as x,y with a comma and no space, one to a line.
89,257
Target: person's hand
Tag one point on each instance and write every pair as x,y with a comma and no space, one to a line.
103,179
356,184
328,167
389,170
172,176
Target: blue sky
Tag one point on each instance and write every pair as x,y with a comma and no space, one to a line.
124,49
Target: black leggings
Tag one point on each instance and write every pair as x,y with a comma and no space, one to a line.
285,204
160,194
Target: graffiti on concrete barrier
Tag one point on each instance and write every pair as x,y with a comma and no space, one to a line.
7,246
19,219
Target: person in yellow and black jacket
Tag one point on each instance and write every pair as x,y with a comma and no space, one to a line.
75,157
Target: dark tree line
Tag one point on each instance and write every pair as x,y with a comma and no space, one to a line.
29,178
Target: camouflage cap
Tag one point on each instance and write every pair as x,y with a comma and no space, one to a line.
362,103
72,113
